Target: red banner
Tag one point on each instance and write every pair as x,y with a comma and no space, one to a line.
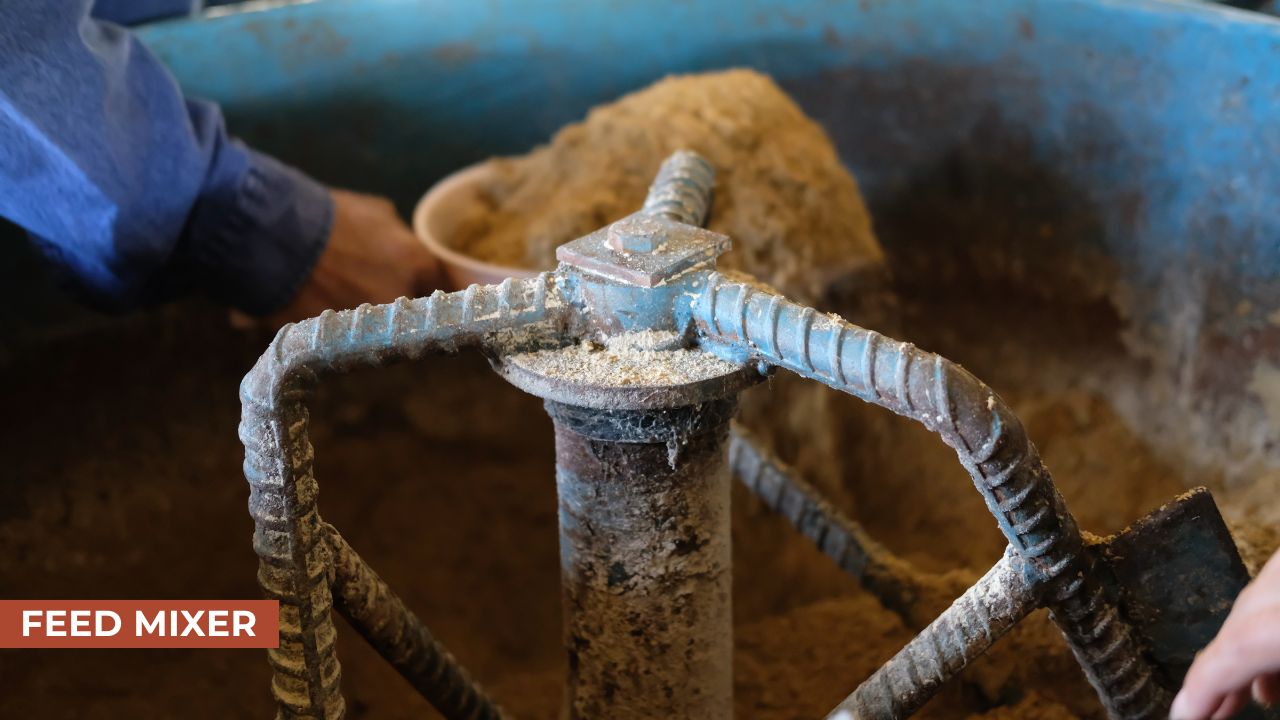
139,623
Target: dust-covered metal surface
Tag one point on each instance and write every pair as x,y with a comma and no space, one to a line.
682,248
296,561
662,240
645,561
642,418
1177,573
589,374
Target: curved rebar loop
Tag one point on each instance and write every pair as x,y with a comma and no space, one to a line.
897,584
990,443
295,560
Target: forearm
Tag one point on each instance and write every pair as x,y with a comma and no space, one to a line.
135,193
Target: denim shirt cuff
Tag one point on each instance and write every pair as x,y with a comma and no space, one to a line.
255,240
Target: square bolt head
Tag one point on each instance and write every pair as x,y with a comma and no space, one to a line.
643,250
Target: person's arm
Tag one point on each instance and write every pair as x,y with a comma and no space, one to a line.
138,195
1243,660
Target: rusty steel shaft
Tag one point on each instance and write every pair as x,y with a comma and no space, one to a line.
641,467
645,561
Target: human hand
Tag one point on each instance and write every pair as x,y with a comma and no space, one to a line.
1243,659
371,256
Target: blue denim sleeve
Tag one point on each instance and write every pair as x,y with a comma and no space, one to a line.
136,194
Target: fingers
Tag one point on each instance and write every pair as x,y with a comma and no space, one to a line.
1244,659
1231,704
1266,689
1264,590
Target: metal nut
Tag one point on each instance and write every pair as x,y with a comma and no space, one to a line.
637,234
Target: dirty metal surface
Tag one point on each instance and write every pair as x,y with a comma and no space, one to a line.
969,627
683,247
645,562
526,372
1177,573
623,518
1174,575
642,419
296,559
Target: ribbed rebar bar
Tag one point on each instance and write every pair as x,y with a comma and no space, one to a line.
894,582
990,442
978,618
294,559
682,189
386,623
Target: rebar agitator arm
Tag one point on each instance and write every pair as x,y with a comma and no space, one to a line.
751,324
640,348
301,558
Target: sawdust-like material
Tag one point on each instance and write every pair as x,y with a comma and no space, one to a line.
792,209
638,359
1256,542
1031,707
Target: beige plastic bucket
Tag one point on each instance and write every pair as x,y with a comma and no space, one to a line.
441,211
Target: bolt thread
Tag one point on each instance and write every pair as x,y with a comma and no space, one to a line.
295,561
979,617
681,191
990,442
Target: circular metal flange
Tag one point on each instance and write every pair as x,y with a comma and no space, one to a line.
632,371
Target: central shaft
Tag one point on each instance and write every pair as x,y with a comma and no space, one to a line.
642,425
645,561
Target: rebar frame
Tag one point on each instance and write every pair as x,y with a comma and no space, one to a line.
302,561
305,564
992,446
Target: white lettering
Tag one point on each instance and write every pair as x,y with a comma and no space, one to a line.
243,622
55,618
30,621
155,627
80,623
100,631
218,623
193,623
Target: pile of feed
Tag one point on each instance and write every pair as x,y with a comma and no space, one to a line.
806,635
792,209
